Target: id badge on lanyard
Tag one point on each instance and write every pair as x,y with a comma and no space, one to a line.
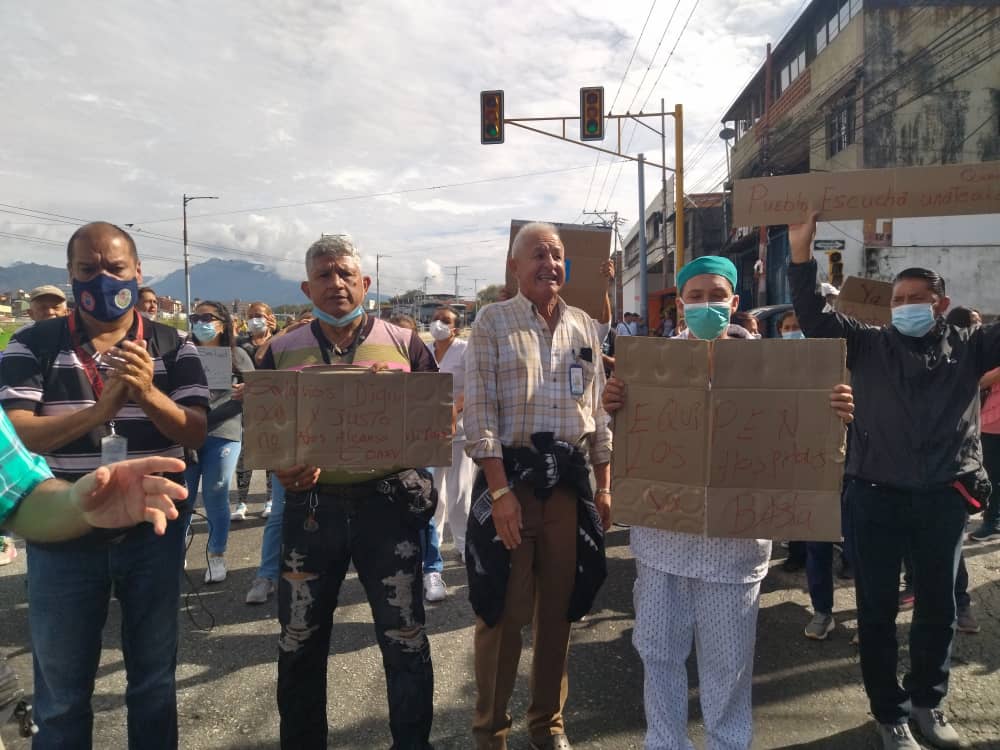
575,379
114,447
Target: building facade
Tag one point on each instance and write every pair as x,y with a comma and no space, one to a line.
868,84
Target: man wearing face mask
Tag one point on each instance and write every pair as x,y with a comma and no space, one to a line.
912,466
86,390
695,588
149,303
334,518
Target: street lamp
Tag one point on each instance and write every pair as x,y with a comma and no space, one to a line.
187,266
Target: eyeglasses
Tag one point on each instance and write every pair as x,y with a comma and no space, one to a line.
204,318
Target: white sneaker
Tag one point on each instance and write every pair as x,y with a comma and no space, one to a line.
434,588
267,510
261,591
240,514
216,572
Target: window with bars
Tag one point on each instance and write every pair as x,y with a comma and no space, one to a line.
840,128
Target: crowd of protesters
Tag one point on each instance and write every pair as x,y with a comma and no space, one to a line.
108,398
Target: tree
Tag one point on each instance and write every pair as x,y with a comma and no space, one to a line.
490,293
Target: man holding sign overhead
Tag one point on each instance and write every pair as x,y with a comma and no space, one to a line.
914,472
332,518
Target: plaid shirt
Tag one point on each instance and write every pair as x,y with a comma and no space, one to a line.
20,469
517,380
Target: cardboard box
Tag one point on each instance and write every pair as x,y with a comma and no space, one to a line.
217,362
586,248
949,190
341,418
866,300
750,450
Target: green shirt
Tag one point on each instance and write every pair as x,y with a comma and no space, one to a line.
20,469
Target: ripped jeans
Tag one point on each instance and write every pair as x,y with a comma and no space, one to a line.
373,530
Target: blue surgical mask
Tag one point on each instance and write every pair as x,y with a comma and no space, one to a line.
792,335
336,322
204,332
104,297
913,320
707,320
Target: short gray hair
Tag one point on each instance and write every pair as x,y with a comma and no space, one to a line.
531,229
332,245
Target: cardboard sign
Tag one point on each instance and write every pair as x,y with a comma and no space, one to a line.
341,418
217,362
752,450
950,190
866,300
586,248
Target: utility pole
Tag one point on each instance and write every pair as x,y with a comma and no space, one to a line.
456,270
187,260
378,285
475,297
679,188
643,276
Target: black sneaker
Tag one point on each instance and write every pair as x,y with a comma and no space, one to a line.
985,533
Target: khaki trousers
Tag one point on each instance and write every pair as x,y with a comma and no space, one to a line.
538,592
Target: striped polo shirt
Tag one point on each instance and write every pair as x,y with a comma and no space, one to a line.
65,387
377,341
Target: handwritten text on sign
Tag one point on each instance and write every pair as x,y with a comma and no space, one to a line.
949,190
747,449
347,420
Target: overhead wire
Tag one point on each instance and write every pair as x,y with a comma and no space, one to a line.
614,101
780,146
635,128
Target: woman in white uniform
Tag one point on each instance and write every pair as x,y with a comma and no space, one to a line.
454,482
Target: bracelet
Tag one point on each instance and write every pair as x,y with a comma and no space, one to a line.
602,491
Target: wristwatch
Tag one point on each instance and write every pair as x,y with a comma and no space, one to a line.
497,494
602,491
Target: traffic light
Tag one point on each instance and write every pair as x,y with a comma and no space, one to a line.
491,111
592,113
836,269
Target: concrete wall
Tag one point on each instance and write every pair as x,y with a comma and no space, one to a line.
952,118
963,269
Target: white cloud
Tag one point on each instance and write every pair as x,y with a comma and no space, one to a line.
268,104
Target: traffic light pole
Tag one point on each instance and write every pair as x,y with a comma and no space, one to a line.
519,123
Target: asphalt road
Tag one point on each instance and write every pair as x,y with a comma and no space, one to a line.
806,694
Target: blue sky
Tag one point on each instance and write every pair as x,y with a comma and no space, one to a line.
114,110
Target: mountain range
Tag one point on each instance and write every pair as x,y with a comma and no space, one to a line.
223,280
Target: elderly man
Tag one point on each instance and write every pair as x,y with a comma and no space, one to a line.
46,302
123,386
691,588
333,518
535,546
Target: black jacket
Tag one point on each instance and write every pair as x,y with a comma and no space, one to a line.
488,561
916,422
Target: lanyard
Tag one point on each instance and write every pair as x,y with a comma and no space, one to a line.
88,362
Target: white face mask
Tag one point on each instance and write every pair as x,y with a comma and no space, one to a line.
440,330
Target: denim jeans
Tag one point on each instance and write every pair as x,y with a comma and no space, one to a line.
819,574
430,543
216,462
270,547
375,533
69,586
886,523
991,460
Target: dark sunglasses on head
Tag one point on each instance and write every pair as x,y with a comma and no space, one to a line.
203,318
